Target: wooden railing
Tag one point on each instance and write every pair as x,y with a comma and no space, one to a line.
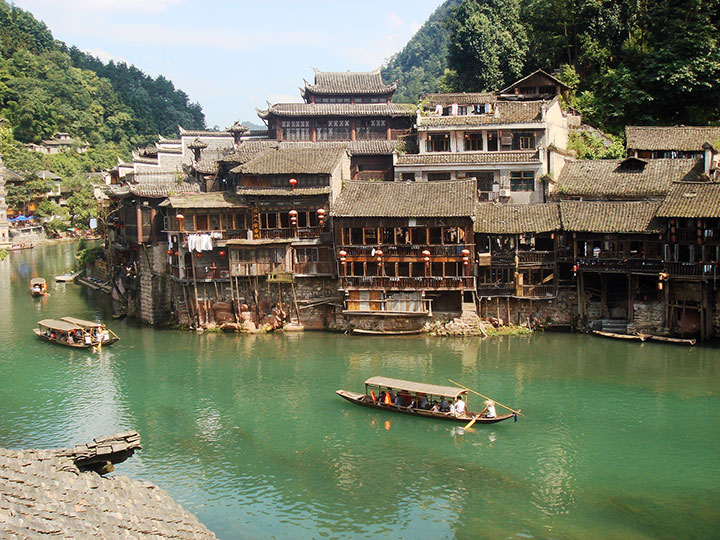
536,258
621,265
201,272
503,258
291,232
393,250
535,291
690,269
496,289
408,283
255,269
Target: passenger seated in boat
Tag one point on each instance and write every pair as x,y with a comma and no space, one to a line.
444,405
489,410
435,407
423,402
388,399
70,339
459,406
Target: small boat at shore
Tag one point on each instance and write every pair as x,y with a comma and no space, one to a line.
361,332
69,276
417,399
647,337
64,333
18,247
38,286
98,331
631,337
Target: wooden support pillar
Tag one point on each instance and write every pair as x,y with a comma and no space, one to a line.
138,219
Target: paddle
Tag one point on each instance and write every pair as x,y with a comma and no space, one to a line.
471,422
485,397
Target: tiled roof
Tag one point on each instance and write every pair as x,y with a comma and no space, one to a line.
297,110
206,166
349,82
536,72
199,133
692,200
293,161
406,199
248,150
153,189
51,494
213,199
610,216
624,179
284,192
370,147
506,112
681,138
495,218
461,98
461,158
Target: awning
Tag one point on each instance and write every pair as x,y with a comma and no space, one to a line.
430,389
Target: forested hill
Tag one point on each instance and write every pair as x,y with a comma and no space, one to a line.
46,87
628,62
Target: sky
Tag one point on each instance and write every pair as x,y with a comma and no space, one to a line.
233,56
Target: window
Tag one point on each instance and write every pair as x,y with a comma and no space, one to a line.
438,142
434,177
492,138
408,177
296,130
484,180
473,141
522,181
332,99
333,130
306,255
371,99
371,128
523,140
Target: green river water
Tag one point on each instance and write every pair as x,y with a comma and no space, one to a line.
620,440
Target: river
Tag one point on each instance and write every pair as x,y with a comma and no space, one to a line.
619,440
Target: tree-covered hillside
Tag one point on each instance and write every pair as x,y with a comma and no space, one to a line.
628,61
46,87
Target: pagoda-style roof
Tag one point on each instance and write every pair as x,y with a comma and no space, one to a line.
692,200
624,179
342,110
469,158
406,199
668,138
350,83
610,216
496,218
506,112
293,161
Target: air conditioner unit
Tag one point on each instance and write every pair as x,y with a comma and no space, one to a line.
504,193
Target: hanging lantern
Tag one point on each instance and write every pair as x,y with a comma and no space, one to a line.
379,252
293,182
221,253
198,255
321,212
660,285
175,252
427,259
342,253
342,260
465,263
426,253
170,252
379,259
465,252
180,217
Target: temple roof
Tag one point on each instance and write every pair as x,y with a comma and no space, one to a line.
348,83
293,161
56,494
610,216
692,200
469,158
298,110
495,218
624,179
680,138
406,199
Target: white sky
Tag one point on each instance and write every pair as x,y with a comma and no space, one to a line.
232,56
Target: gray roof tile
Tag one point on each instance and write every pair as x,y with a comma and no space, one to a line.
610,216
692,200
681,138
495,218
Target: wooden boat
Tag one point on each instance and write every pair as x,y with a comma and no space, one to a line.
374,386
18,247
64,333
38,287
69,276
360,331
633,337
667,339
100,334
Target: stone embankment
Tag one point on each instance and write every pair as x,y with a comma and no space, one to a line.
472,325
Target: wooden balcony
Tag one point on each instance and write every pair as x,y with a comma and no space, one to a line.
496,289
410,251
502,258
536,258
453,283
202,273
246,269
617,265
315,268
690,269
291,232
536,291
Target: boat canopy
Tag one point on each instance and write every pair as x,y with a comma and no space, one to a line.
429,389
61,326
82,322
37,281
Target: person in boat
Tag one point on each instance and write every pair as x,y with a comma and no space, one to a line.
435,407
444,405
423,402
459,406
489,410
388,399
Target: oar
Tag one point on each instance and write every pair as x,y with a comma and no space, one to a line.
471,422
479,394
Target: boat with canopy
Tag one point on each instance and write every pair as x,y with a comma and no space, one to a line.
64,333
420,399
97,330
38,286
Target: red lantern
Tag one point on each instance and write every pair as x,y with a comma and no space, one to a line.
342,253
379,252
465,263
198,255
465,252
170,252
293,182
221,253
293,213
180,217
321,212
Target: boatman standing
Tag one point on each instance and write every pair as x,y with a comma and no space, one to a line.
459,406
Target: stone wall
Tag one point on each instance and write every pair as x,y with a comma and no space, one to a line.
559,311
155,290
647,318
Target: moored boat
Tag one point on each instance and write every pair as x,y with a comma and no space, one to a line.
18,247
360,331
417,399
38,286
69,276
64,333
101,335
633,337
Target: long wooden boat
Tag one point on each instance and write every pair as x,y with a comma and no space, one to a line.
98,331
668,339
18,247
38,286
633,337
65,278
409,390
63,333
360,331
